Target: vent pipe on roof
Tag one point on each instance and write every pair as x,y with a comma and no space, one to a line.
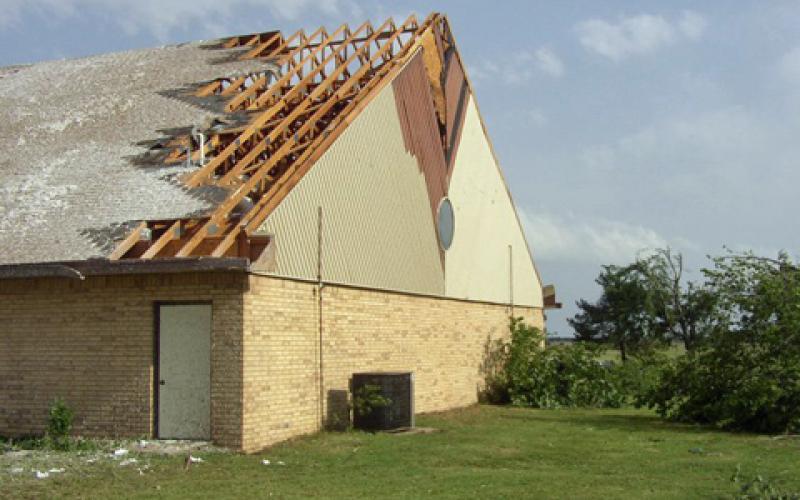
189,155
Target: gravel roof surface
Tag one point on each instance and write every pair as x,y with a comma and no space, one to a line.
73,135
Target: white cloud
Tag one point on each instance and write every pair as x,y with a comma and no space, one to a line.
637,34
719,143
537,118
162,18
11,11
518,68
587,239
548,62
789,66
632,35
722,176
692,24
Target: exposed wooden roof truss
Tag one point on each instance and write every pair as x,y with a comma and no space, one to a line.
317,85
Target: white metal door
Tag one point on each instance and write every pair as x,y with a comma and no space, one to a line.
184,371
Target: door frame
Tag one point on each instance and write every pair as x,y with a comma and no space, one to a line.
157,352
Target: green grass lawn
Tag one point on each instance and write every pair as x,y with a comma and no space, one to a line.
480,452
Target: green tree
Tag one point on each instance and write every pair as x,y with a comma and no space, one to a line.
685,310
747,375
625,315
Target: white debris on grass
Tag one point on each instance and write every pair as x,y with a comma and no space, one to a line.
142,443
42,475
121,452
56,471
128,461
267,462
17,470
195,460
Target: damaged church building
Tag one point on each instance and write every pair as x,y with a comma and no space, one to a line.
207,240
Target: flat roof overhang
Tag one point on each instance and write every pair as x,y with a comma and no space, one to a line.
80,269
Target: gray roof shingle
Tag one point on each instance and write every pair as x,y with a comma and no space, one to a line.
72,136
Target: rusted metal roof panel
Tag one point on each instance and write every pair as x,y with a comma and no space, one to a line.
457,94
420,127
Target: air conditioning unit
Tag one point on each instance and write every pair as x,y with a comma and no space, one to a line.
383,400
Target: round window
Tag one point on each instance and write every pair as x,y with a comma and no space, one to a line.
446,223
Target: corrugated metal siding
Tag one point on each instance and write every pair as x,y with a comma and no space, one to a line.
377,225
477,264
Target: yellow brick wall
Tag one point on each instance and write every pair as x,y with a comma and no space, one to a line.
443,341
280,361
91,343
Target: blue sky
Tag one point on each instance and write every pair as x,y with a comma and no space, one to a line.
619,125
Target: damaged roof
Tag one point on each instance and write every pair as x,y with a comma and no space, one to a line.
184,151
76,141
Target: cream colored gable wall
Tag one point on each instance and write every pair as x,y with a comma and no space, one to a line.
477,263
377,224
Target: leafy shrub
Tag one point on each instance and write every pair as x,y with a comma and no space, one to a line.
562,376
495,390
59,424
367,398
758,488
636,377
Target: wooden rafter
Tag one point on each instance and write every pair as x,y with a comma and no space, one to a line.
265,97
248,40
263,46
242,100
296,111
203,174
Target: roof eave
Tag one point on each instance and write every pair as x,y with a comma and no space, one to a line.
80,269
